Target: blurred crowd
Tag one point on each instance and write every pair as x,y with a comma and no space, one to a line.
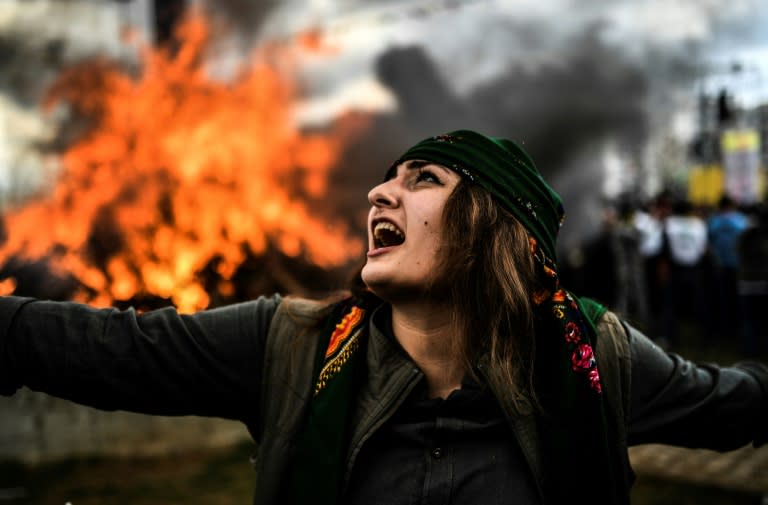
675,269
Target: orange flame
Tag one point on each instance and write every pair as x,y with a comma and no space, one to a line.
178,169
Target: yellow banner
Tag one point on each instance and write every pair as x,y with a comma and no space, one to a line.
705,184
740,140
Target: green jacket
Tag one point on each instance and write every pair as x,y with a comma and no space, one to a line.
391,376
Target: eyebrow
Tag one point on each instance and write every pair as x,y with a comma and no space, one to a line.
412,165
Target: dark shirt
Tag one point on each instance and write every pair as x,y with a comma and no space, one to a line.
454,450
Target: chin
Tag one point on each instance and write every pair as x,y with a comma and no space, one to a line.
365,275
374,281
377,272
392,291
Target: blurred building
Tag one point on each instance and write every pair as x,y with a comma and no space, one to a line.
729,152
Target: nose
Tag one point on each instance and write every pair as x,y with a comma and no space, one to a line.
383,195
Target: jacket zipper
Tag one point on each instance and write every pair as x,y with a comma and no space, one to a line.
379,419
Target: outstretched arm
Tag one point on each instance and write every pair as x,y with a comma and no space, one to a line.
159,362
677,402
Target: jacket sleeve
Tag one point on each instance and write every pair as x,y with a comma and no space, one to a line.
677,402
158,362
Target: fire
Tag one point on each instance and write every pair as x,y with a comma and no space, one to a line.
177,170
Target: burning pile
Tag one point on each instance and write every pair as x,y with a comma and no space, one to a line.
177,175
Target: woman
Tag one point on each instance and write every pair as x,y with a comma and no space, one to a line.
459,372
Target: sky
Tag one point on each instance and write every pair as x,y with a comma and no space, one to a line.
698,41
677,48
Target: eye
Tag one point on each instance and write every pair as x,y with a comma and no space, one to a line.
427,176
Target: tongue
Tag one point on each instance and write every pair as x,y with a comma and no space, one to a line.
389,238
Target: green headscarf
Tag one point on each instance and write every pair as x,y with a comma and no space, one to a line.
505,170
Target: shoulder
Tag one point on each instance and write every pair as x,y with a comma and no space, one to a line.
299,312
614,357
612,335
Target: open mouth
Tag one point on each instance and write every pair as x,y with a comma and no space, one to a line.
386,234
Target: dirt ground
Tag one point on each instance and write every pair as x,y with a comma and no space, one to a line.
226,477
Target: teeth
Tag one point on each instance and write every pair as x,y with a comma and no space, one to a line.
387,234
387,226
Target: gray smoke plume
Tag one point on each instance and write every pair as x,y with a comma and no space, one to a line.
560,113
245,17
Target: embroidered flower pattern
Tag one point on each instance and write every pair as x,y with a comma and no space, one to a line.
594,380
566,310
572,333
582,355
583,358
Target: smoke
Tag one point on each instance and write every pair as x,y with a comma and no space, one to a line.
564,88
27,65
562,113
244,18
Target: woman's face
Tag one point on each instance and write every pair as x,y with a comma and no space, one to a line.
405,227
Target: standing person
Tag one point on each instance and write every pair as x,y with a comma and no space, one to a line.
627,239
685,233
649,222
458,371
725,226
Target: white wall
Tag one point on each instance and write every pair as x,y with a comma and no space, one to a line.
35,428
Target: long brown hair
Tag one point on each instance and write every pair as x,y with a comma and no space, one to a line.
489,280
